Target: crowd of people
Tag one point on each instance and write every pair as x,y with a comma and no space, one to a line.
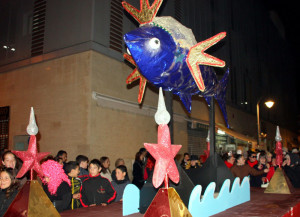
260,166
84,182
68,184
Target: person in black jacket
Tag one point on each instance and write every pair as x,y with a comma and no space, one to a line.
56,185
138,171
96,190
9,188
72,169
257,181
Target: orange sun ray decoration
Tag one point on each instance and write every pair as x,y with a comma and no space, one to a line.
146,13
135,75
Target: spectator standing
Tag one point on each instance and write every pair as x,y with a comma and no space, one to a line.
105,172
194,162
9,188
292,171
83,162
56,185
240,169
138,171
121,182
10,160
72,169
252,159
257,181
185,161
118,162
96,190
61,157
229,161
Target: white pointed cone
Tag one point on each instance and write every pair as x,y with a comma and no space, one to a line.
162,116
32,128
208,137
278,136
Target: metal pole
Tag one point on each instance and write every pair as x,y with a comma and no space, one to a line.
258,123
212,130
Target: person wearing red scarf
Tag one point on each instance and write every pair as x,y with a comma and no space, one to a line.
229,161
252,159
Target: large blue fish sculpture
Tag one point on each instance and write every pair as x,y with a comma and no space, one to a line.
167,55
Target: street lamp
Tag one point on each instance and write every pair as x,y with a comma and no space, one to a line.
269,104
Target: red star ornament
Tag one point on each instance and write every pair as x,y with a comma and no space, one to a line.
164,154
31,158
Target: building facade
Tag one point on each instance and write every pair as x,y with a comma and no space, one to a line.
64,58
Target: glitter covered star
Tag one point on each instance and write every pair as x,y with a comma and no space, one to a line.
163,151
31,158
164,154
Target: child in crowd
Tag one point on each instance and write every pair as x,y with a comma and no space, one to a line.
105,172
61,157
96,190
121,182
72,169
118,162
56,185
83,162
9,188
10,160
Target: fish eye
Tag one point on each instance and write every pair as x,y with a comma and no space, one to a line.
154,43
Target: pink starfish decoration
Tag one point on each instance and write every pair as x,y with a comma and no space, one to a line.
164,154
31,158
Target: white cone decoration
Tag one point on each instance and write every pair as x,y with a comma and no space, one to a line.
278,136
162,116
208,137
32,128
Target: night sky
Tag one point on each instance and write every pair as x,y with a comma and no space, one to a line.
289,15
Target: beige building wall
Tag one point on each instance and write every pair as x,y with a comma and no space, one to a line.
70,117
59,91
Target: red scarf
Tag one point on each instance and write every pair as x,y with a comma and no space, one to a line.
228,164
252,164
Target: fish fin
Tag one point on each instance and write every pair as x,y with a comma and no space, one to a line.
135,75
207,99
186,99
197,56
221,94
146,13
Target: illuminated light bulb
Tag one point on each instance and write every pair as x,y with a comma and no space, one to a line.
269,103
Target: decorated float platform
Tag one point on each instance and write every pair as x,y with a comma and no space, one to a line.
261,204
267,205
